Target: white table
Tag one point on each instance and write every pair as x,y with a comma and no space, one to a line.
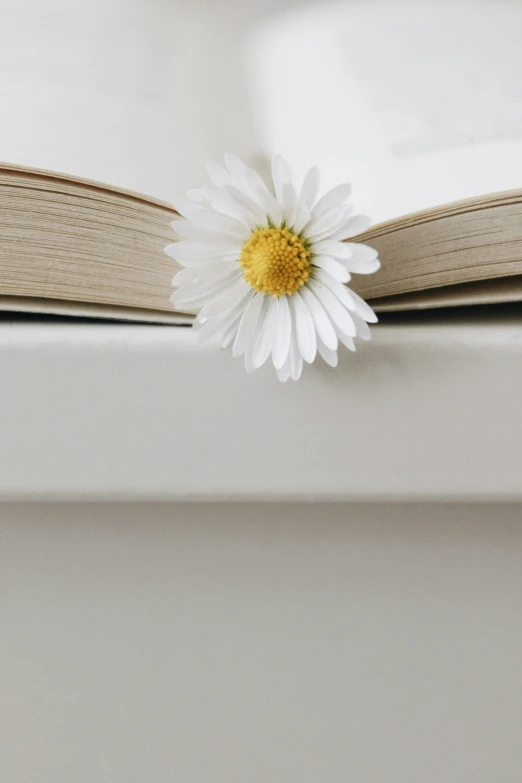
374,639
426,410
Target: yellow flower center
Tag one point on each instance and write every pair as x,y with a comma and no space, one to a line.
276,261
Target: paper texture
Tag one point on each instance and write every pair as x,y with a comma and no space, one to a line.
415,104
134,93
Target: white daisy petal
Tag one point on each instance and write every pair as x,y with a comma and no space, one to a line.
282,339
194,292
247,325
337,288
190,253
337,313
227,300
172,250
247,179
360,252
339,250
218,175
266,337
269,203
223,204
196,194
310,187
213,193
326,222
280,175
217,331
346,340
208,272
199,323
362,267
363,330
196,263
247,203
185,276
331,266
322,322
302,217
290,204
260,192
218,326
249,363
176,237
333,199
214,223
304,327
205,236
228,337
188,209
250,366
196,303
187,294
363,260
329,356
253,179
363,309
351,227
284,372
324,226
299,368
356,258
213,270
295,360
208,219
238,171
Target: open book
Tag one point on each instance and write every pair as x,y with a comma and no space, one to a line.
431,143
74,247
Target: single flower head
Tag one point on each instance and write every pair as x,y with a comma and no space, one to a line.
267,269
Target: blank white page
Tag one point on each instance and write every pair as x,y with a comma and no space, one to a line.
415,104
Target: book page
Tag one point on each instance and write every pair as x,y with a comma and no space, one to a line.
416,104
134,93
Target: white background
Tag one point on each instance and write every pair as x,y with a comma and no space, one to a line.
416,104
238,643
137,93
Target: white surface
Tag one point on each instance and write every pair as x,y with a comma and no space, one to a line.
263,644
137,93
415,103
140,93
427,409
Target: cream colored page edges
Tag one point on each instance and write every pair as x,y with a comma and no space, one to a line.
79,240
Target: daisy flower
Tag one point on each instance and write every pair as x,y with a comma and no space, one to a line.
266,270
